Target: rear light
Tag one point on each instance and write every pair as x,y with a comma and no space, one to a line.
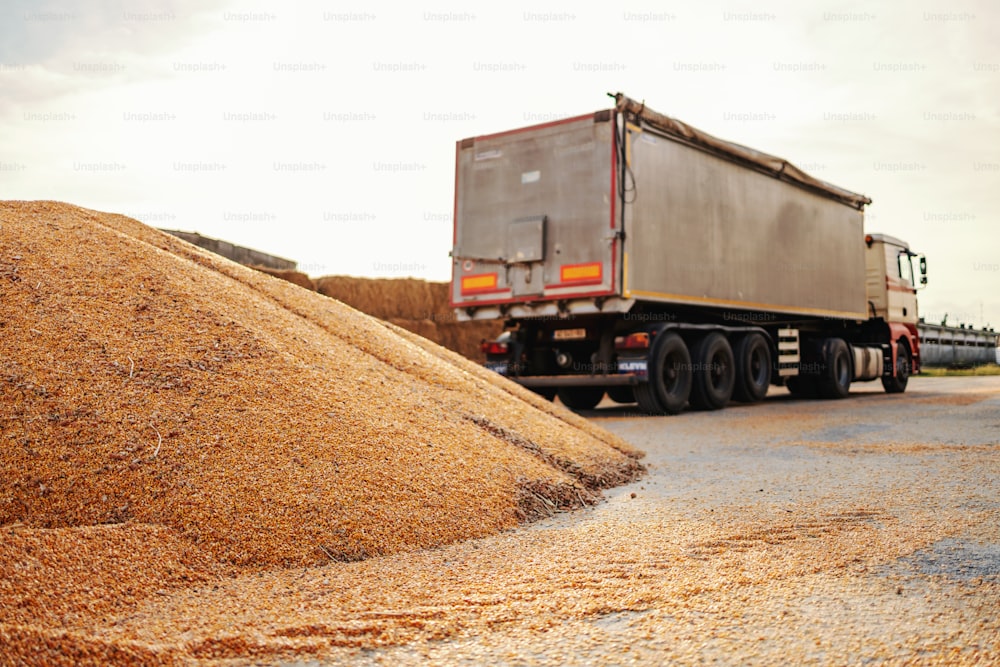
581,273
493,347
636,341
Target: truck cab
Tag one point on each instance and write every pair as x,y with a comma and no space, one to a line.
892,282
891,286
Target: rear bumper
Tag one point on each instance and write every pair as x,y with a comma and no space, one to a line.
543,309
620,380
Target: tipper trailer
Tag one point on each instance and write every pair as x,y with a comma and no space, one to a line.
634,255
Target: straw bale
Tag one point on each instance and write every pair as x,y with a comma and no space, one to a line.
384,298
405,302
466,338
294,277
425,328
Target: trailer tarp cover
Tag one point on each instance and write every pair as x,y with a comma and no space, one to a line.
770,164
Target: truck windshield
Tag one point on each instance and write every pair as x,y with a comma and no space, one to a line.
905,267
897,264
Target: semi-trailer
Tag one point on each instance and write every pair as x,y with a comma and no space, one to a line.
633,255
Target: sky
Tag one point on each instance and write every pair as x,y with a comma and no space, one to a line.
324,131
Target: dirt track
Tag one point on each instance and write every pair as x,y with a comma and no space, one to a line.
783,533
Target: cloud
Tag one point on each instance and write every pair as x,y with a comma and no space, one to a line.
53,48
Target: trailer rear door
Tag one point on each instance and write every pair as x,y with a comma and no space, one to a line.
534,214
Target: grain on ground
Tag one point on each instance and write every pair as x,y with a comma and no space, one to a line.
160,402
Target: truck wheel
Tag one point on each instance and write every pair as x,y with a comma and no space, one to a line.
621,394
645,396
835,379
802,386
669,377
714,374
897,384
753,368
548,393
581,398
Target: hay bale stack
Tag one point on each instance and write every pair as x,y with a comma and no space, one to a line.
415,305
384,298
467,337
294,277
148,382
424,328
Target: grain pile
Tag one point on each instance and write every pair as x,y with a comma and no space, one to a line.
161,404
415,305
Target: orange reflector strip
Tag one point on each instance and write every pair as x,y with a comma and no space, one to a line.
479,283
573,273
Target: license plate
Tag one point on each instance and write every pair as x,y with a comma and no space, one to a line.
637,366
497,367
569,334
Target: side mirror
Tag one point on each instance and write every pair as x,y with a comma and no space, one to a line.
923,270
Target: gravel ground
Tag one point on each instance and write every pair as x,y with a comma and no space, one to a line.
858,531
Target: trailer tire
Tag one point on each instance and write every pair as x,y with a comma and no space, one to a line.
801,386
835,380
715,373
646,398
753,368
581,398
548,393
896,384
621,394
669,370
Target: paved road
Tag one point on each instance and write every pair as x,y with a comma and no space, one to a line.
824,532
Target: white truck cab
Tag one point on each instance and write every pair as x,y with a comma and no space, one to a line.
892,282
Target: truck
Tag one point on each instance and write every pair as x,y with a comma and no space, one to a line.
632,255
